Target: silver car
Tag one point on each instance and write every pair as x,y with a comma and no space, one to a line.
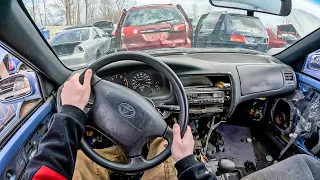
80,47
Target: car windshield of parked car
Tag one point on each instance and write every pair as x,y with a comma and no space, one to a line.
80,32
71,36
149,16
246,25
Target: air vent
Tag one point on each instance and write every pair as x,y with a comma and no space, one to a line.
288,76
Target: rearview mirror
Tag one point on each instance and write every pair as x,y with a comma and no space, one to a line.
277,7
16,87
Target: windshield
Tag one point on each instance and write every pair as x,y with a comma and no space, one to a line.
80,32
71,36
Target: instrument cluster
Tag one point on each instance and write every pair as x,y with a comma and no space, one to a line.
146,83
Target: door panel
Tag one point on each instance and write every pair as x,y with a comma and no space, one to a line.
15,154
308,85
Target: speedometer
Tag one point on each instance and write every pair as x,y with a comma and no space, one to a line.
119,79
141,81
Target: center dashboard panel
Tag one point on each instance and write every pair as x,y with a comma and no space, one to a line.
207,94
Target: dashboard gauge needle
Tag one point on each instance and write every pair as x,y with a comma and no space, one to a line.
134,87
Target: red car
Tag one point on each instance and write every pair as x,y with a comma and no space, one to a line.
286,29
274,41
152,27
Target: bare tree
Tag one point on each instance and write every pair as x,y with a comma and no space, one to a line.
86,4
45,12
106,8
67,4
194,8
119,4
33,10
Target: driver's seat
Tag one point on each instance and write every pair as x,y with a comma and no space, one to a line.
298,167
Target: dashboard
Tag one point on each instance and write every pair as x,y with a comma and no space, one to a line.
248,76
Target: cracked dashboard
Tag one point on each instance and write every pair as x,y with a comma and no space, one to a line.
223,80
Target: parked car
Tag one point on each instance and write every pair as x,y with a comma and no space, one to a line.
274,41
106,26
286,29
152,27
229,30
81,46
289,38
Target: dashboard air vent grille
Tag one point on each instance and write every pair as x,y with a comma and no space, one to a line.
288,76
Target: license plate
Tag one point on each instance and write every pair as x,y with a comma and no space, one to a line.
250,40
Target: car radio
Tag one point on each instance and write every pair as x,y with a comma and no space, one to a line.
206,101
205,96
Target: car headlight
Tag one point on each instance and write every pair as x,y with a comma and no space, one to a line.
78,49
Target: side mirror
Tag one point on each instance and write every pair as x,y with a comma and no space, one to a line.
16,87
314,63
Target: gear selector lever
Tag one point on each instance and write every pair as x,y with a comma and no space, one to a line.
225,166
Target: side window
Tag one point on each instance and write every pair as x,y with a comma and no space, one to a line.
100,32
95,34
210,22
312,65
19,92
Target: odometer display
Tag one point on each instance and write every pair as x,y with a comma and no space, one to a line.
119,79
141,81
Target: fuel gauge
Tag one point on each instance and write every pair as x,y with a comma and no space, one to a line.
157,86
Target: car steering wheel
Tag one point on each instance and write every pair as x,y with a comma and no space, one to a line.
127,118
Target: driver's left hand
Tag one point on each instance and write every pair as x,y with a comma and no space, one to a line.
74,93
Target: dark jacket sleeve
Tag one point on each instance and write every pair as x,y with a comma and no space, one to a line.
189,168
57,150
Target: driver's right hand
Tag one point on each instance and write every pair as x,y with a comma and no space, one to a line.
181,147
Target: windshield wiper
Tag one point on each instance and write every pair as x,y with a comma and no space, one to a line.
165,20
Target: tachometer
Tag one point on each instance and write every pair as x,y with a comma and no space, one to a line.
119,79
141,81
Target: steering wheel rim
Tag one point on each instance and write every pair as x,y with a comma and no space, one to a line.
136,162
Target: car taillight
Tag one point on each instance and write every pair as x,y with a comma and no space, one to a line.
237,38
178,27
113,33
128,31
10,65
